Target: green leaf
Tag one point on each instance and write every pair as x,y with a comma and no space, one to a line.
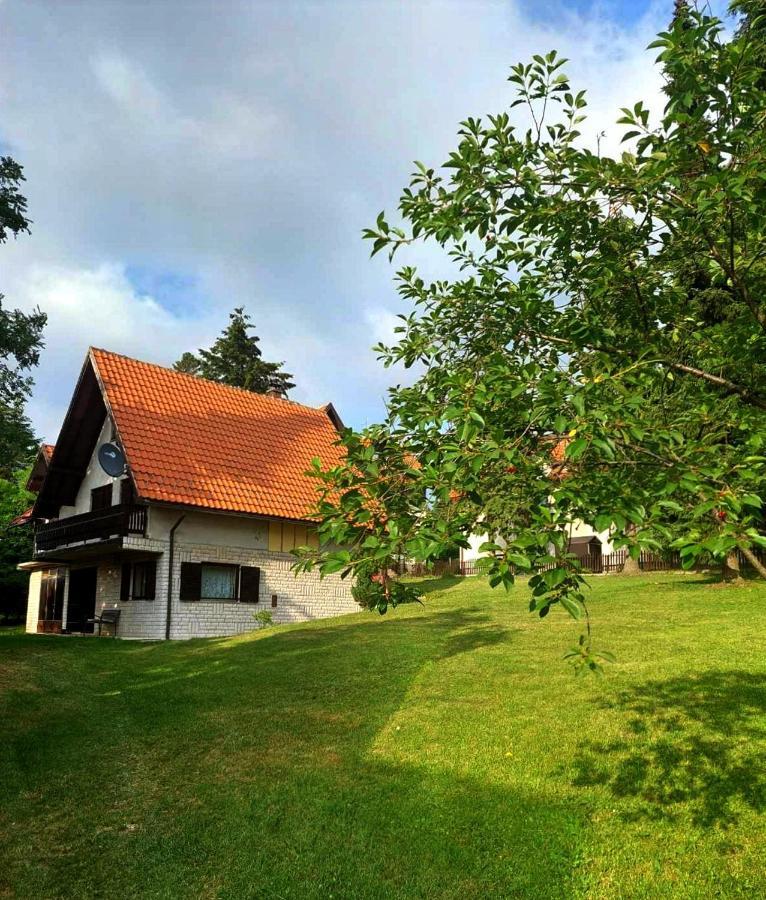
571,606
576,449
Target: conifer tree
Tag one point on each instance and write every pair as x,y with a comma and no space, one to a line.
236,359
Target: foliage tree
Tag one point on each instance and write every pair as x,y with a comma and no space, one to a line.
20,345
20,335
236,359
567,319
15,544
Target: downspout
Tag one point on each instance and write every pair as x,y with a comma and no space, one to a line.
170,576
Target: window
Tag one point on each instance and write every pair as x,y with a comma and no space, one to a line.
144,578
139,580
218,582
101,497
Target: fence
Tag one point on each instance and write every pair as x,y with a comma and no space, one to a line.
605,564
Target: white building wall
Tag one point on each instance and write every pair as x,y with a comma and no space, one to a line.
213,529
33,600
471,554
210,537
95,477
576,529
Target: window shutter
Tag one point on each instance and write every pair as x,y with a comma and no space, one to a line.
125,583
151,579
249,583
191,581
101,498
127,494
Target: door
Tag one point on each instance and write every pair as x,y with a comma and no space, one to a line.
82,600
51,601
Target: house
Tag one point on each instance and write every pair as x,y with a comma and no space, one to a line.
192,533
584,541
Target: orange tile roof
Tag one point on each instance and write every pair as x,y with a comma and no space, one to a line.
22,518
198,443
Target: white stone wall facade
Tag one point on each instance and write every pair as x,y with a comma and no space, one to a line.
33,600
298,598
201,537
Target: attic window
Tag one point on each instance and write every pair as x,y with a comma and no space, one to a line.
101,497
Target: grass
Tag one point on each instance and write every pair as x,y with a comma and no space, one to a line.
441,751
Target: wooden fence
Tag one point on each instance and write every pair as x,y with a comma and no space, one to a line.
606,564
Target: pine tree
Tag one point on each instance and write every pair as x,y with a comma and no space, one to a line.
236,359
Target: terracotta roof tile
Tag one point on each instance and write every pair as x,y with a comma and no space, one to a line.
198,443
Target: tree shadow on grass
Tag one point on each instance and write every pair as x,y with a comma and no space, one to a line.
695,747
255,767
434,584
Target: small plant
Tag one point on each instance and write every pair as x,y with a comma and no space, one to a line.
264,618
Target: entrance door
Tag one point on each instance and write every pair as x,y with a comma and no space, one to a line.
51,601
82,600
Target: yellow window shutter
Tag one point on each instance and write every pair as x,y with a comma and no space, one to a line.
288,537
275,537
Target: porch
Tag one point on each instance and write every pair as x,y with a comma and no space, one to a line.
101,525
68,590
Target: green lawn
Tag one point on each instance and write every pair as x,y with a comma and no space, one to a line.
440,751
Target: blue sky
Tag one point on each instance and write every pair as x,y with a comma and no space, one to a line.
184,158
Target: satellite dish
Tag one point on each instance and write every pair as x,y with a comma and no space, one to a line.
111,459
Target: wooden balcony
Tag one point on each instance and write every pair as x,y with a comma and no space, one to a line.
100,525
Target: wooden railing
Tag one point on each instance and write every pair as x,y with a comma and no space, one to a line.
101,525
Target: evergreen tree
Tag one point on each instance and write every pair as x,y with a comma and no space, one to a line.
236,359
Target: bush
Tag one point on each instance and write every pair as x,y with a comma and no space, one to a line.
264,618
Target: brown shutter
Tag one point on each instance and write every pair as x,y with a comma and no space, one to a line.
151,579
249,583
125,583
101,498
191,581
127,494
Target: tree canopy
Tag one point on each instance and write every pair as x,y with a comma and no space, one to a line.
599,353
236,359
20,335
20,344
16,544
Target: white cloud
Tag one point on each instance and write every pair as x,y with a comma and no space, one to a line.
128,85
244,147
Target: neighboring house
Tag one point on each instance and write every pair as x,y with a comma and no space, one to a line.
195,536
583,541
34,482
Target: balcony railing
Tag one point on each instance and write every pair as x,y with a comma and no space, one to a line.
101,525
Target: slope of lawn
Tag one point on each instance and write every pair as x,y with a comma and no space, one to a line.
441,751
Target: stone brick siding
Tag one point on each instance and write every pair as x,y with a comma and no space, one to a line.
298,598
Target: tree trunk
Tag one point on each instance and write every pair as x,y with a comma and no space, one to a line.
731,573
754,561
630,566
